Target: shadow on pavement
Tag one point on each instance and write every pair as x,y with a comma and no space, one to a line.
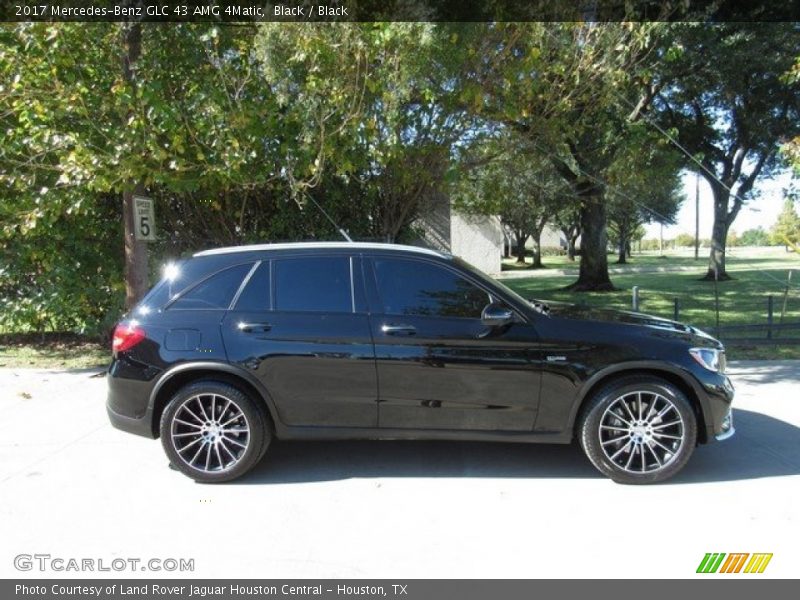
762,447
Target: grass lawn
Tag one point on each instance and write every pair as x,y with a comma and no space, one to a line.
52,351
742,300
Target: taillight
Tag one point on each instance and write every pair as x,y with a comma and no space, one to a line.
126,337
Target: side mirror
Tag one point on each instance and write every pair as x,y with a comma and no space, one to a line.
496,315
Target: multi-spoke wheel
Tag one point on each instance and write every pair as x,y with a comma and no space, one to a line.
213,432
639,430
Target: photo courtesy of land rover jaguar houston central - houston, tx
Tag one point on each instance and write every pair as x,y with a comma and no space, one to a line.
237,346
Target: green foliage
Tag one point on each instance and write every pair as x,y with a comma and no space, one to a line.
755,237
516,183
786,230
684,240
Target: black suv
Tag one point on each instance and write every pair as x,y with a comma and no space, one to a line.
236,346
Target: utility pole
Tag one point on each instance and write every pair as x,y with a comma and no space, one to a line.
696,216
135,250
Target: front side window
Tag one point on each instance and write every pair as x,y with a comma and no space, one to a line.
313,284
215,292
412,287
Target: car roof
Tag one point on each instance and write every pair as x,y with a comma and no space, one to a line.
322,246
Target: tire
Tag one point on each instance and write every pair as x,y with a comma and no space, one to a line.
213,432
633,449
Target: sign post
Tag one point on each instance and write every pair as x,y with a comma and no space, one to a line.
144,226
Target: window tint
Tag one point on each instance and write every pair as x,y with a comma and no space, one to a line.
410,287
215,292
319,284
255,295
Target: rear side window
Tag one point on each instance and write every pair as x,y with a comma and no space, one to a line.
412,287
215,292
318,284
255,295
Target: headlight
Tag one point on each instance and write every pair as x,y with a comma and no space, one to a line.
711,358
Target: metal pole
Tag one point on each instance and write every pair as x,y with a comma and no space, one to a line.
769,317
716,295
785,297
636,298
697,216
676,309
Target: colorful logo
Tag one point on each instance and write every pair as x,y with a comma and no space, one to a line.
736,562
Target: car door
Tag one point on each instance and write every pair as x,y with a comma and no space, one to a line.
300,325
439,366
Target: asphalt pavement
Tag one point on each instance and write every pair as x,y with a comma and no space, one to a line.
73,487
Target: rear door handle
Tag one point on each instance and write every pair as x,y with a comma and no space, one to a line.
398,329
253,327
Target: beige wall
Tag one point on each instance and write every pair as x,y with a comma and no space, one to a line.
478,240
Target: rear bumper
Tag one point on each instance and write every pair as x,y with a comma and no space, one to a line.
138,425
128,401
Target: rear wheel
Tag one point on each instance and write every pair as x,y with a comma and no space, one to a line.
639,430
213,432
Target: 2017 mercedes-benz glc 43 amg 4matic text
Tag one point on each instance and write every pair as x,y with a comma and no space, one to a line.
237,346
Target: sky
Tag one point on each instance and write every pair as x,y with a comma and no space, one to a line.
762,210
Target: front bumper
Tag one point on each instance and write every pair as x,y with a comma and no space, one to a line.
717,400
727,429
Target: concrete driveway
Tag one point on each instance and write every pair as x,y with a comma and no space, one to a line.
72,487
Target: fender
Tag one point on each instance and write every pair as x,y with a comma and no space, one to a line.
221,367
634,367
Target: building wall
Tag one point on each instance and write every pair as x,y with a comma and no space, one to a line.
478,240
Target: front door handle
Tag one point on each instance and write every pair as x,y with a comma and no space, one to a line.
398,329
253,327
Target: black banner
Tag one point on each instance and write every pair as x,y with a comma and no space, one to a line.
397,10
412,589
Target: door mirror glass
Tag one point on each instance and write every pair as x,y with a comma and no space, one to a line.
496,315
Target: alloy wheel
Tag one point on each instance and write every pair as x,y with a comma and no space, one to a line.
210,433
641,432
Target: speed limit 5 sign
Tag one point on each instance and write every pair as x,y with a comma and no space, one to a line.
144,219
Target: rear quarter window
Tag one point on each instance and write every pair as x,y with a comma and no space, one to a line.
215,292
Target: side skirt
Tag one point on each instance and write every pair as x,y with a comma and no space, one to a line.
356,433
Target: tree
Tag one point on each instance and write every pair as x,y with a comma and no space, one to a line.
754,237
568,222
786,230
381,98
724,94
644,187
560,86
518,185
97,109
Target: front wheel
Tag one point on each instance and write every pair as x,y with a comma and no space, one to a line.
213,432
638,430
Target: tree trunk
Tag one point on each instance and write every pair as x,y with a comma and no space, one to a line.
570,243
136,271
537,249
623,251
593,275
136,276
719,235
521,238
